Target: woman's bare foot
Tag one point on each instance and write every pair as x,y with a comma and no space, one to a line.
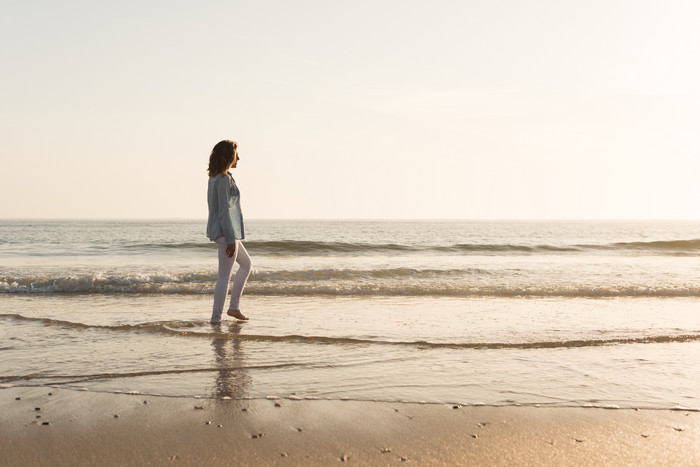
237,314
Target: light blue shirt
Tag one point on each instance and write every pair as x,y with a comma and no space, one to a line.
225,216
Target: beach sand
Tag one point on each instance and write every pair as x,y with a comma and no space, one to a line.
88,428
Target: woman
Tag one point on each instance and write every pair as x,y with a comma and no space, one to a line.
225,227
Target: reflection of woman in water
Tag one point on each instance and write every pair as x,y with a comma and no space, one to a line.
232,379
225,227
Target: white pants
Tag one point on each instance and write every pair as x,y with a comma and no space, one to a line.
224,276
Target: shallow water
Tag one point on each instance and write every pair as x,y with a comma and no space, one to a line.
606,314
492,351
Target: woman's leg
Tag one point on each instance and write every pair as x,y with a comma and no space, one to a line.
222,280
241,277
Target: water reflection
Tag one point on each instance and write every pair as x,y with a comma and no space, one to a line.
232,379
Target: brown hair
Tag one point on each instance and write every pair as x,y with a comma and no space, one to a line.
221,157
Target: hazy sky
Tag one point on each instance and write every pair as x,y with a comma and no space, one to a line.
355,109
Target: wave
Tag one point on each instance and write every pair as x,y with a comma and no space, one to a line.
202,329
136,282
673,247
690,246
310,247
317,248
467,282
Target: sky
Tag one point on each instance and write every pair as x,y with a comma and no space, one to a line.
494,109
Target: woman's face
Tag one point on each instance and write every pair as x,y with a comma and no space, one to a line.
235,159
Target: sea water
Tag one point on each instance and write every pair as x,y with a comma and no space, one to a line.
566,313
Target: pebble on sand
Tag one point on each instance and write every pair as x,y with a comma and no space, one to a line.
18,398
45,423
37,408
199,407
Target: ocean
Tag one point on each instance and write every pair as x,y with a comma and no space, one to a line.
555,313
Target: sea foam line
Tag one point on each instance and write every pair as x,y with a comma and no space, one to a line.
202,329
310,288
450,282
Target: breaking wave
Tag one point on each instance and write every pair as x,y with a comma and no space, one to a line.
673,247
318,248
468,282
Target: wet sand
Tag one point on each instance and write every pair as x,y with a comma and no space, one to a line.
81,428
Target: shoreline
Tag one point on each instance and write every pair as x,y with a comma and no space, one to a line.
118,429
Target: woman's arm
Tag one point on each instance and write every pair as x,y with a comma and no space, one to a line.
223,192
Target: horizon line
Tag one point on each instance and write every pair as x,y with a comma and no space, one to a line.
368,219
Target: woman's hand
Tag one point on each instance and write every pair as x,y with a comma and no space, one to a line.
231,250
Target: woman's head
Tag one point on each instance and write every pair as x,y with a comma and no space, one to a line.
223,156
